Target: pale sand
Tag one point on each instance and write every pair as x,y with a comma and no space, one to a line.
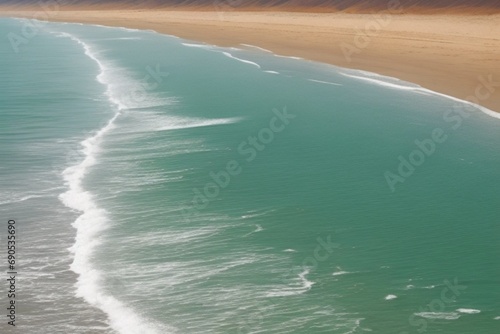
444,53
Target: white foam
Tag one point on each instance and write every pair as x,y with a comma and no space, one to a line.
201,46
496,318
373,74
341,272
306,284
358,325
103,77
186,123
468,310
290,57
439,315
421,90
390,297
325,82
10,198
227,54
139,122
121,39
272,72
411,286
325,312
24,198
256,47
127,29
129,38
92,222
485,110
103,26
300,285
122,91
382,83
258,228
256,213
289,250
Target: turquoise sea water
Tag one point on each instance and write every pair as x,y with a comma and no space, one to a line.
166,186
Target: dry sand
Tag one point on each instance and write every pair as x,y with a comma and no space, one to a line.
447,53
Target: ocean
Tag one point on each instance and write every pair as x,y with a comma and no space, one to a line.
160,185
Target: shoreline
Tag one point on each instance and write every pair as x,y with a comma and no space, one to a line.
461,60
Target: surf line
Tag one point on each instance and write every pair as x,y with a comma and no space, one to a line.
93,221
428,146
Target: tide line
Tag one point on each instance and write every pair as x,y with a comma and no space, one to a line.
93,221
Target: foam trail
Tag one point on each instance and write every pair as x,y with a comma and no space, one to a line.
305,282
341,272
291,57
256,213
145,122
102,75
201,46
485,110
382,83
439,315
258,228
107,27
411,286
304,286
272,72
371,74
425,91
187,123
130,38
256,47
468,310
227,54
93,221
22,199
325,82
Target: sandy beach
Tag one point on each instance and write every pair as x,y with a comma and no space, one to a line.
454,54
